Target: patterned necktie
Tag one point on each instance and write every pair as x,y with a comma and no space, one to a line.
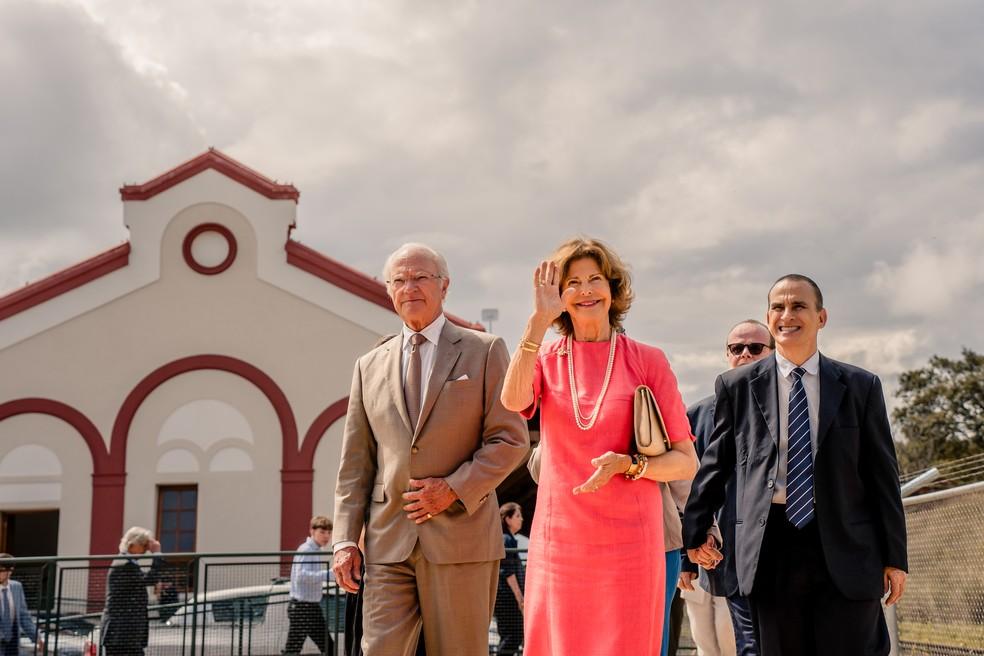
799,456
4,615
411,389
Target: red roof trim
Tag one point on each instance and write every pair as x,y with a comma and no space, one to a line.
64,281
355,282
212,159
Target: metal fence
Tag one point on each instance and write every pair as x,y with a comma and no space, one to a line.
942,612
198,604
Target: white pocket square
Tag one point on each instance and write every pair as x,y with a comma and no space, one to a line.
461,377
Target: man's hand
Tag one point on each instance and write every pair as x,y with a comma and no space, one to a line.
153,546
686,581
347,566
707,554
894,584
606,466
428,497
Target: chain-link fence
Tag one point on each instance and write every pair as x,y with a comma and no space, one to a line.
942,611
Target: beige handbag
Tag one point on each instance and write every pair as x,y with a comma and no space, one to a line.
650,431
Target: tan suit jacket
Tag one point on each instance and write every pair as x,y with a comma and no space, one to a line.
464,435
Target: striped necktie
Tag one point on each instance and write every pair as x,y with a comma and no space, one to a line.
799,456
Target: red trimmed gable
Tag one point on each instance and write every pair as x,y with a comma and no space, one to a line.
212,159
64,281
350,280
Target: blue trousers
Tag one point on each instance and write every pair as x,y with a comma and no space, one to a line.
672,574
741,619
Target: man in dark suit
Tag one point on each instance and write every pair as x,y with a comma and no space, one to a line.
748,341
124,630
426,443
14,616
819,528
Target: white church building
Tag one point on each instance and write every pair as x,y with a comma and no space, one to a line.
192,380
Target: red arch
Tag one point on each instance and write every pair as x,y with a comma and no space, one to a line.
322,422
68,414
270,389
295,508
107,483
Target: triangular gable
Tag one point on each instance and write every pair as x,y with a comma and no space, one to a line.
212,159
297,255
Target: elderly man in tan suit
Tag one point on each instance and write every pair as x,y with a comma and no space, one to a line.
426,443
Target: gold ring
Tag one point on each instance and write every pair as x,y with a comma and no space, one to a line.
430,516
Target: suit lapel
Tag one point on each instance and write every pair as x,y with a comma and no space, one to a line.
447,354
765,392
394,378
831,392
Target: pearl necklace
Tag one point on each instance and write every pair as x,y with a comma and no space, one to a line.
590,421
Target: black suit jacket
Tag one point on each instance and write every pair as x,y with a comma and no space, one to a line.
721,581
124,620
858,507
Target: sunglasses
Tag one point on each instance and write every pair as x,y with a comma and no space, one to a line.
754,348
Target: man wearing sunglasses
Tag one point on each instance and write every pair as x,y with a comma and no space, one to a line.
14,616
819,525
718,597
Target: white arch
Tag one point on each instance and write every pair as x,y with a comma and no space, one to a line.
30,460
205,422
177,461
231,459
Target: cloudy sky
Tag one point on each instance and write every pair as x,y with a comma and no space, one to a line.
716,145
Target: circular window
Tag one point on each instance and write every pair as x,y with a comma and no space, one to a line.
209,248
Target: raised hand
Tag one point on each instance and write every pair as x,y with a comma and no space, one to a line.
548,302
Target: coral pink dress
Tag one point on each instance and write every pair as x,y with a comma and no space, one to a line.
595,573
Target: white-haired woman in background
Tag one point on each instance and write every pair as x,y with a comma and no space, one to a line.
124,620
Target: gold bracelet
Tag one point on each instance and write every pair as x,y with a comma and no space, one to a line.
529,345
643,462
632,470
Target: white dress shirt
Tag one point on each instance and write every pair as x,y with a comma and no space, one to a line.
428,352
308,573
811,384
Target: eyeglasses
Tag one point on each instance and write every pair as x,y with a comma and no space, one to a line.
754,348
399,282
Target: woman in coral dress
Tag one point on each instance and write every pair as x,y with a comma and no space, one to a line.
595,576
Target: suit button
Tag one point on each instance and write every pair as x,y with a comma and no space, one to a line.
771,484
414,449
762,522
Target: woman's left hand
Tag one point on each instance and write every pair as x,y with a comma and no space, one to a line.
607,465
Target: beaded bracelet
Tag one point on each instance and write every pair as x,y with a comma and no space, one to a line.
644,462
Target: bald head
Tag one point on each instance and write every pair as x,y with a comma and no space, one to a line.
745,337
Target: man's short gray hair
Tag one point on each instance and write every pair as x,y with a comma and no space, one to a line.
414,247
134,535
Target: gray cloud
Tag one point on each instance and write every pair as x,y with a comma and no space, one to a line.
717,146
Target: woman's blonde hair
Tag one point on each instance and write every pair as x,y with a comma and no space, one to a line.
612,267
134,535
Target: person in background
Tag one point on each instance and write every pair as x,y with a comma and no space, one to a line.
509,597
308,575
720,617
14,616
124,630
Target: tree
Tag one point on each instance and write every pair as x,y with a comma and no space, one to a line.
941,411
